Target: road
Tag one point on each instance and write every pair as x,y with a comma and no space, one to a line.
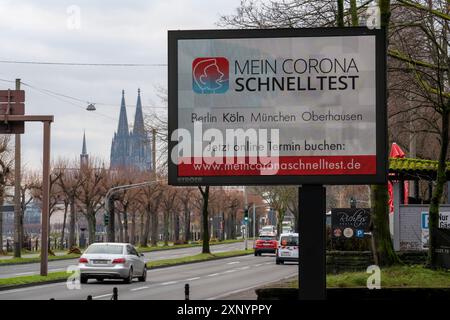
61,265
208,280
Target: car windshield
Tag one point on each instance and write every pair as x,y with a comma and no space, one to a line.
289,241
266,238
105,249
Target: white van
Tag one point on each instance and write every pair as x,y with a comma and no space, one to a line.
287,248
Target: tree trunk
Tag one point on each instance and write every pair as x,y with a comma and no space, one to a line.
155,225
66,207
233,226
133,229
381,233
177,227
146,227
166,227
126,235
205,231
120,224
187,225
340,14
72,223
92,224
438,191
111,230
141,229
354,13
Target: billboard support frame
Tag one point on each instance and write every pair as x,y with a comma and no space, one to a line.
312,193
344,179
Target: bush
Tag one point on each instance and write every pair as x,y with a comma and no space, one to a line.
74,250
179,242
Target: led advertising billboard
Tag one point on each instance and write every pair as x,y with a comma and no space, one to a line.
282,106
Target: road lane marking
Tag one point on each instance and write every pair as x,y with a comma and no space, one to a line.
213,275
258,265
234,262
167,283
230,271
244,268
140,288
102,296
24,273
192,279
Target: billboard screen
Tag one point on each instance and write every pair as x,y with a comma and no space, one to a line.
277,106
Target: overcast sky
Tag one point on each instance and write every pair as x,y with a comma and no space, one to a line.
113,31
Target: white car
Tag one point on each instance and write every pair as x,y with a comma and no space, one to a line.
287,248
112,261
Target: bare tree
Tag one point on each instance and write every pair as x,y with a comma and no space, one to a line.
70,181
169,205
186,200
150,199
91,194
6,163
425,57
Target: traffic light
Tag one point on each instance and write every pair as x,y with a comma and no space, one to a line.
246,215
105,219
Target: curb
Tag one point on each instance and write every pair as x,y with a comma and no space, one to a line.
38,261
34,284
24,285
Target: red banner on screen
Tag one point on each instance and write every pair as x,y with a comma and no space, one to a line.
283,165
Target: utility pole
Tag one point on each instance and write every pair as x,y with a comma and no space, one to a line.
245,221
17,207
154,152
254,222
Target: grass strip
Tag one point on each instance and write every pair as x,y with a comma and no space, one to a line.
5,262
196,258
33,279
415,276
181,246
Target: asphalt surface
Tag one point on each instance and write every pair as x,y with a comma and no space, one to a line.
208,280
61,265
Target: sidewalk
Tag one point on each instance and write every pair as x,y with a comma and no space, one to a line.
250,294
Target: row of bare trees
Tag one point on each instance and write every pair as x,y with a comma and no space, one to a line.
143,215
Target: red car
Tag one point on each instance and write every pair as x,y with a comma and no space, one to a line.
265,244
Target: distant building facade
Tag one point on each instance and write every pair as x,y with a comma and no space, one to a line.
131,149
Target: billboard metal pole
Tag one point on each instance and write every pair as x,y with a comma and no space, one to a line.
312,242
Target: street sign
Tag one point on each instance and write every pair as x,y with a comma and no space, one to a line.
12,103
287,106
347,223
